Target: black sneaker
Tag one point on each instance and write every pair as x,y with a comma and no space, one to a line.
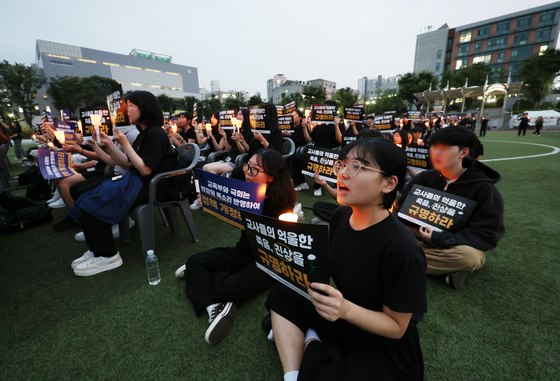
66,224
266,324
221,321
456,279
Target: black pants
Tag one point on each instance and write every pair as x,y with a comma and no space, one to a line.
482,130
296,164
357,363
537,130
521,128
224,274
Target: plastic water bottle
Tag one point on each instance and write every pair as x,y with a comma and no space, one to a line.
152,266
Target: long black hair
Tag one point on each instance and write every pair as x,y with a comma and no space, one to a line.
271,120
381,154
404,138
280,191
246,129
150,109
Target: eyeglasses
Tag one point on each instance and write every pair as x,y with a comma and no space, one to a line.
253,171
352,168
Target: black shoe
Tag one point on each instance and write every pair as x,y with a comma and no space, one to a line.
456,279
221,322
66,224
266,324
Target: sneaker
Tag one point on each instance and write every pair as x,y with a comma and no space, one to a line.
57,204
301,187
456,279
180,273
76,262
318,221
195,205
96,265
66,224
56,196
221,321
317,192
80,237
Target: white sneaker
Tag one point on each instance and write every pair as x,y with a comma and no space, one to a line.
56,196
80,237
96,265
57,204
76,262
195,205
180,273
317,192
301,187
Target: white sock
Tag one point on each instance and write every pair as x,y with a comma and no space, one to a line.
210,308
311,334
270,336
291,376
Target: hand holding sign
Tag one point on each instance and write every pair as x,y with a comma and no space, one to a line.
331,306
426,233
118,136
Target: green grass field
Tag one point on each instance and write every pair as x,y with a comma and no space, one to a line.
502,325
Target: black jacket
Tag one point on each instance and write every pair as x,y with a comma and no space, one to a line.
486,224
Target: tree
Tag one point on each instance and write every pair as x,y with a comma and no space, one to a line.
412,83
298,97
537,73
66,92
388,102
345,98
97,88
208,106
313,95
22,83
476,75
232,102
165,102
255,100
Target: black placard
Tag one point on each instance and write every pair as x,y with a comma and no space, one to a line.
195,111
280,110
323,113
106,124
117,108
290,107
257,116
286,123
292,253
414,115
354,113
418,157
384,122
436,209
321,160
225,118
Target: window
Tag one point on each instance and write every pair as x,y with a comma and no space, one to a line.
478,47
44,95
463,50
484,58
483,31
546,18
521,53
447,67
448,55
524,22
514,66
465,36
439,54
450,41
461,64
520,38
496,43
501,55
543,34
502,27
543,49
438,66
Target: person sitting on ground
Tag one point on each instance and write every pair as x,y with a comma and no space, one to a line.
218,280
104,206
457,254
379,271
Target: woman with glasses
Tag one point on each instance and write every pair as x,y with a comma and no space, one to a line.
379,272
219,279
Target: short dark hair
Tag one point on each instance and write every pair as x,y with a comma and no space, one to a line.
187,115
384,155
299,112
417,129
455,136
370,117
369,133
150,109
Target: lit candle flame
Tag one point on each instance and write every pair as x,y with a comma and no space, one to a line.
307,113
288,217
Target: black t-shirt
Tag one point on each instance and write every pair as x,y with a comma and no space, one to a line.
324,135
407,126
217,137
16,131
380,265
297,136
153,146
524,122
348,136
188,134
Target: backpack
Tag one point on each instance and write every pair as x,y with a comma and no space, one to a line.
11,203
24,218
38,188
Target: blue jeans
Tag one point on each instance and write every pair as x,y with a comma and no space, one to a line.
19,151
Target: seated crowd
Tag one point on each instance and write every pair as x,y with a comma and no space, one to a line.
373,312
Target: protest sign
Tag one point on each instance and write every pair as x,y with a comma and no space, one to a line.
224,197
321,160
65,114
294,254
68,128
414,115
438,108
280,110
286,123
418,157
225,118
106,124
55,164
384,122
354,113
436,209
257,116
166,116
322,113
290,107
117,108
195,111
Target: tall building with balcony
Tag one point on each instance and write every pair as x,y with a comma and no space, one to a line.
501,42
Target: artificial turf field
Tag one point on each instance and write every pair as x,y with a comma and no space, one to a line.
502,325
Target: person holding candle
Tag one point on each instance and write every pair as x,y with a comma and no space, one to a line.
219,279
186,132
379,271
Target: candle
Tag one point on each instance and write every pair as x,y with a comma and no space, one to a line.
34,136
50,145
96,121
60,136
174,128
288,217
307,113
208,127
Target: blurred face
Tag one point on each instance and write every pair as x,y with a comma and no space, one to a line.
366,189
409,138
181,121
133,112
240,116
254,172
370,122
445,157
417,135
214,121
397,139
297,119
